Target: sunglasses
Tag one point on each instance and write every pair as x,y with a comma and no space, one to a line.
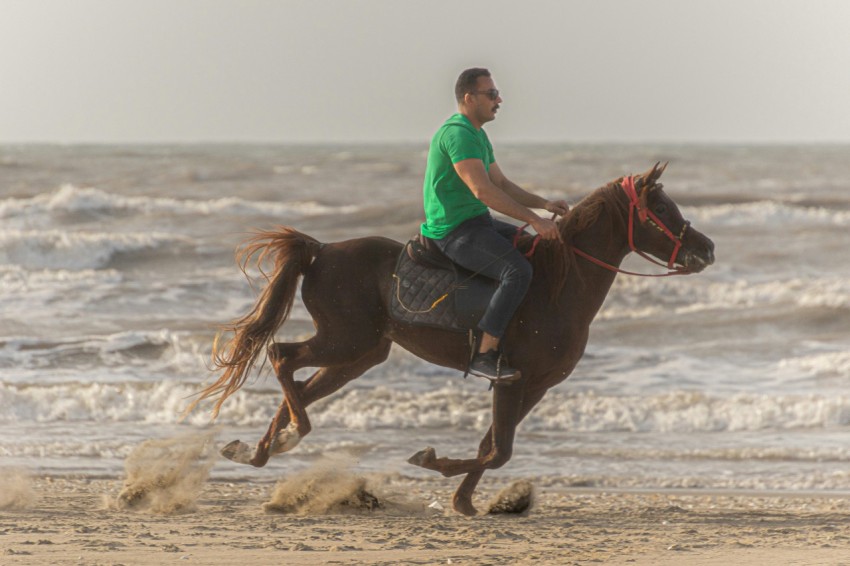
492,94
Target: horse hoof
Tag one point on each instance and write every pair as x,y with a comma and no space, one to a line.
423,458
286,440
237,451
464,507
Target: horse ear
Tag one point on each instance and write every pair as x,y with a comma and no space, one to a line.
651,176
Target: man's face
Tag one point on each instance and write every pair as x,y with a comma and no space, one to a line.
486,100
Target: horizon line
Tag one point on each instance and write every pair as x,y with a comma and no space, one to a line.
425,142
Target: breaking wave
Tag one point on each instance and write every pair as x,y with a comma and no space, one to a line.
60,249
69,199
447,407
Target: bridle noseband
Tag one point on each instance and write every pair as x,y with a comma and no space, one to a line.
644,215
628,185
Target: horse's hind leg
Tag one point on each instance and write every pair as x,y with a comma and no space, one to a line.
321,384
328,380
290,422
286,358
282,438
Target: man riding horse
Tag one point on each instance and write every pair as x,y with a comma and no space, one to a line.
462,180
348,288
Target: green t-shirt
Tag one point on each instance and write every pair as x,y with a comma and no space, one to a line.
448,201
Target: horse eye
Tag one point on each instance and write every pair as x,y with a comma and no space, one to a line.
660,208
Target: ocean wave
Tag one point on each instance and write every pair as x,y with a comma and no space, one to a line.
448,407
69,199
633,298
107,358
765,213
26,292
63,250
691,411
818,365
17,280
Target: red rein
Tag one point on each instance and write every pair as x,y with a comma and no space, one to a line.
628,186
534,243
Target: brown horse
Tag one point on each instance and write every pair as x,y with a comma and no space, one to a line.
346,287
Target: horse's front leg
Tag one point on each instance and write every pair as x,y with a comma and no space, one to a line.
507,406
462,499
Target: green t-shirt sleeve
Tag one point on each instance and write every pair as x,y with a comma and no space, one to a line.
459,143
491,157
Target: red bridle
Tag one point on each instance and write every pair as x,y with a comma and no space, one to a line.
628,186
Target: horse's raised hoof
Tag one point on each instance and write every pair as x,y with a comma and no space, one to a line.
424,458
237,451
286,439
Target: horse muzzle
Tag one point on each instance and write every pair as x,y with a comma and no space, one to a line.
696,258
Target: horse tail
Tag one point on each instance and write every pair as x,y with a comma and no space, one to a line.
292,252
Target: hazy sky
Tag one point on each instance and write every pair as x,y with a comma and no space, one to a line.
384,70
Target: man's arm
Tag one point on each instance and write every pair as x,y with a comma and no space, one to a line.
524,197
473,173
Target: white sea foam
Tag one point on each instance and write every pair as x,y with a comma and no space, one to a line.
765,213
59,249
25,291
641,298
444,408
103,359
690,411
71,199
14,278
825,364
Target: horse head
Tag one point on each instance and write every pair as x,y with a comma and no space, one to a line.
656,225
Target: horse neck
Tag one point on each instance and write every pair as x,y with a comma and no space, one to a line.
605,239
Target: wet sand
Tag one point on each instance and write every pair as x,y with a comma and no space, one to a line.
78,520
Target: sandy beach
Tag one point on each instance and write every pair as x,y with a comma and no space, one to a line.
315,520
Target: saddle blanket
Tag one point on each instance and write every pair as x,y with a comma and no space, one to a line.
429,290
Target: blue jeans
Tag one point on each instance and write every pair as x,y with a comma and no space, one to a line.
485,246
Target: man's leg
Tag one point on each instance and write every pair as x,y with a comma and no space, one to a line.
477,246
509,232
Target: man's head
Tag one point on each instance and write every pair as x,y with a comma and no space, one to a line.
477,96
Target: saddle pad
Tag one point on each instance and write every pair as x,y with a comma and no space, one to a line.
417,287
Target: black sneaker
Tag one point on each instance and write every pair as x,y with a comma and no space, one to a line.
490,365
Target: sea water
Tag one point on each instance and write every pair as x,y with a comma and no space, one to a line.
117,267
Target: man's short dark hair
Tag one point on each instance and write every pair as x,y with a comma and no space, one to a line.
468,80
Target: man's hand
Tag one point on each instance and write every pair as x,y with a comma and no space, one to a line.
559,207
547,229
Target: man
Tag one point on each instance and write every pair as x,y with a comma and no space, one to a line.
462,180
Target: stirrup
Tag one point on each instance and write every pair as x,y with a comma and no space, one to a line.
498,362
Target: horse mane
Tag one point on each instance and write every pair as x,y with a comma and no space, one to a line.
551,261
